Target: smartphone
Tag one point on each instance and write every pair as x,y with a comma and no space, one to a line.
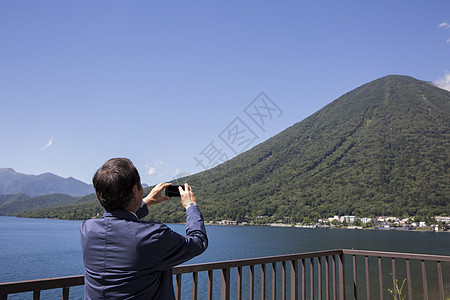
172,191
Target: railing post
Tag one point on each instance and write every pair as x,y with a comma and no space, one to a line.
394,279
239,283
327,277
311,277
210,284
424,281
341,276
366,259
65,293
380,278
37,295
319,279
274,281
408,279
355,283
263,281
283,280
333,262
252,283
178,288
225,284
294,280
194,285
440,280
303,279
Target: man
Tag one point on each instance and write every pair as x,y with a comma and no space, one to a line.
125,258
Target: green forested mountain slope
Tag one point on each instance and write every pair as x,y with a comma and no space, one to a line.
380,149
18,203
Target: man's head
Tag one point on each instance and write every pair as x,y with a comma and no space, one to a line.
114,183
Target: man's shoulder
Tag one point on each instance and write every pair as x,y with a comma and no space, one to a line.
151,224
139,229
131,223
92,222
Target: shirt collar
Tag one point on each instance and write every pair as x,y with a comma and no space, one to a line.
121,214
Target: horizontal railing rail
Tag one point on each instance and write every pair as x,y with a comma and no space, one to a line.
312,275
38,285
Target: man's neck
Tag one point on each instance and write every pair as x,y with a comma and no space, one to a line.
134,213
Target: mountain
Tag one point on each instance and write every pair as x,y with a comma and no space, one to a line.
380,149
12,182
19,204
7,199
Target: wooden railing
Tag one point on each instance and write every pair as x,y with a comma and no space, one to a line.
415,276
289,268
314,275
38,285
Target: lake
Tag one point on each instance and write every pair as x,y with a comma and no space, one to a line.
43,248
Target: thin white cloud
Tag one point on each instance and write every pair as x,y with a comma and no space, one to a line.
152,170
179,174
444,25
50,142
443,82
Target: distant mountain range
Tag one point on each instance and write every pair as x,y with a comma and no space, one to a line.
380,149
12,182
22,192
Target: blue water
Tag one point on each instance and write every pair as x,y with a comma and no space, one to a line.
42,248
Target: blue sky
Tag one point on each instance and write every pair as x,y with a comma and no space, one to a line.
168,83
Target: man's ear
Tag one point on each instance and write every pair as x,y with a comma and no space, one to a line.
136,191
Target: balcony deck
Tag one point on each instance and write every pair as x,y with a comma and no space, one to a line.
333,274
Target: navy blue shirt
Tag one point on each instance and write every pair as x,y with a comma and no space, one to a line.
125,258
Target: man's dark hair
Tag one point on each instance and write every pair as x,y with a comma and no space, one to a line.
114,182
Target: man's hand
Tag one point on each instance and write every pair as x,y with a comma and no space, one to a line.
187,196
155,197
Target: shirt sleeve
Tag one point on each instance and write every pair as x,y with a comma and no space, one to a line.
180,248
142,211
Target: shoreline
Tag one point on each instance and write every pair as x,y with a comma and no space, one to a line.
274,225
317,227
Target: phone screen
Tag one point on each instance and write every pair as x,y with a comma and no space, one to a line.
172,191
